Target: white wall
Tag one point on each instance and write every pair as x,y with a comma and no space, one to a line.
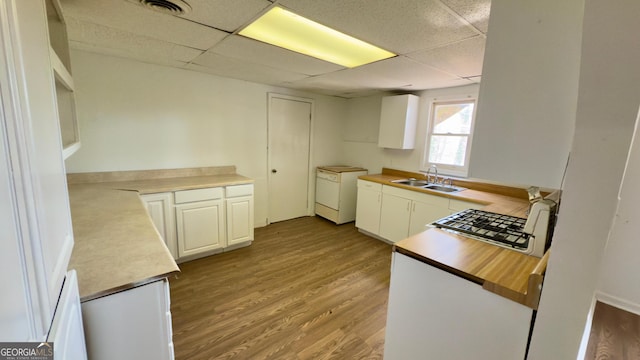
526,111
608,101
136,116
618,283
363,121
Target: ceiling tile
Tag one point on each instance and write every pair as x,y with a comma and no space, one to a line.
391,74
474,11
401,26
463,58
239,47
125,54
227,15
98,38
238,69
348,80
407,72
126,16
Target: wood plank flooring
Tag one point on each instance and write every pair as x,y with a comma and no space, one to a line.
305,289
615,334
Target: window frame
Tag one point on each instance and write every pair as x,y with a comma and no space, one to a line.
452,170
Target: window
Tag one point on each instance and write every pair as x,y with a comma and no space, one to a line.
449,136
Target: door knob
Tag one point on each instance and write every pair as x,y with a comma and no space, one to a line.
274,171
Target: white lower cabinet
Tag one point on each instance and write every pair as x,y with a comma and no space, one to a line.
393,213
132,324
239,220
395,217
200,227
368,206
423,214
433,314
205,221
160,209
405,213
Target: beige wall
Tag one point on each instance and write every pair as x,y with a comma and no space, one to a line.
135,116
361,131
607,109
529,90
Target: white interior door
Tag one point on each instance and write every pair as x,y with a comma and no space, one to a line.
289,146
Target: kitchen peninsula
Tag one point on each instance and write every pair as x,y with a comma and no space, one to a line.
123,262
455,297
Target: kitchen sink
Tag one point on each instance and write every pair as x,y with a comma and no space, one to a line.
430,186
412,182
448,189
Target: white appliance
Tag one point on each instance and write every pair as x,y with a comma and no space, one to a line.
336,189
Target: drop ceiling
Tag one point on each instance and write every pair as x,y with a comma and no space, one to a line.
440,43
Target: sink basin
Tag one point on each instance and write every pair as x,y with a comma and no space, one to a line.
426,185
412,182
443,188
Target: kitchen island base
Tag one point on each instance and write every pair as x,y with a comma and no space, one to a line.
433,314
131,324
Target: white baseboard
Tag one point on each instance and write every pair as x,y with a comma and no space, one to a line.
618,302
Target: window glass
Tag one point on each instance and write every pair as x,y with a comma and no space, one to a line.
453,118
449,136
449,150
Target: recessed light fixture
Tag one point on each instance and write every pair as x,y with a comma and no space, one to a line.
285,29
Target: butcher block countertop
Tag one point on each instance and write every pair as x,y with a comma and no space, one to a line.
116,245
505,272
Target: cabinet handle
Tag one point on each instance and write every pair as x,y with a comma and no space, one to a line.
414,207
408,205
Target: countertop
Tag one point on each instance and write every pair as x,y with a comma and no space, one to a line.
505,272
116,244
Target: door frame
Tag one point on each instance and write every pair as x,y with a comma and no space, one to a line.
310,173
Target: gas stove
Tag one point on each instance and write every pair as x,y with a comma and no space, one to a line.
531,236
503,230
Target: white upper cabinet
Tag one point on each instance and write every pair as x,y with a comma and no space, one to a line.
398,120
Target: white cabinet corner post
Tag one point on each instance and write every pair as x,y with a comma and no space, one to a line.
160,209
35,220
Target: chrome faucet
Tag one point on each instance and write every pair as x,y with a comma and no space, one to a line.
447,180
435,169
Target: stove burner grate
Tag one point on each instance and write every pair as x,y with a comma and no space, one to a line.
504,230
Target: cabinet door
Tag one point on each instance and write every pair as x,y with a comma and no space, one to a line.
423,214
398,119
200,227
131,324
368,210
394,217
160,209
239,220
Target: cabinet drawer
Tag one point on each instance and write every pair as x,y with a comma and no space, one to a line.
185,196
369,185
239,190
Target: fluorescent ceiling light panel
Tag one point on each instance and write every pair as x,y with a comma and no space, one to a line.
293,32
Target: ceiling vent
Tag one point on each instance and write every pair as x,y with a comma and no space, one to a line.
172,7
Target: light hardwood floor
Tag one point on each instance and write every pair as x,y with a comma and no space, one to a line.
615,334
305,289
